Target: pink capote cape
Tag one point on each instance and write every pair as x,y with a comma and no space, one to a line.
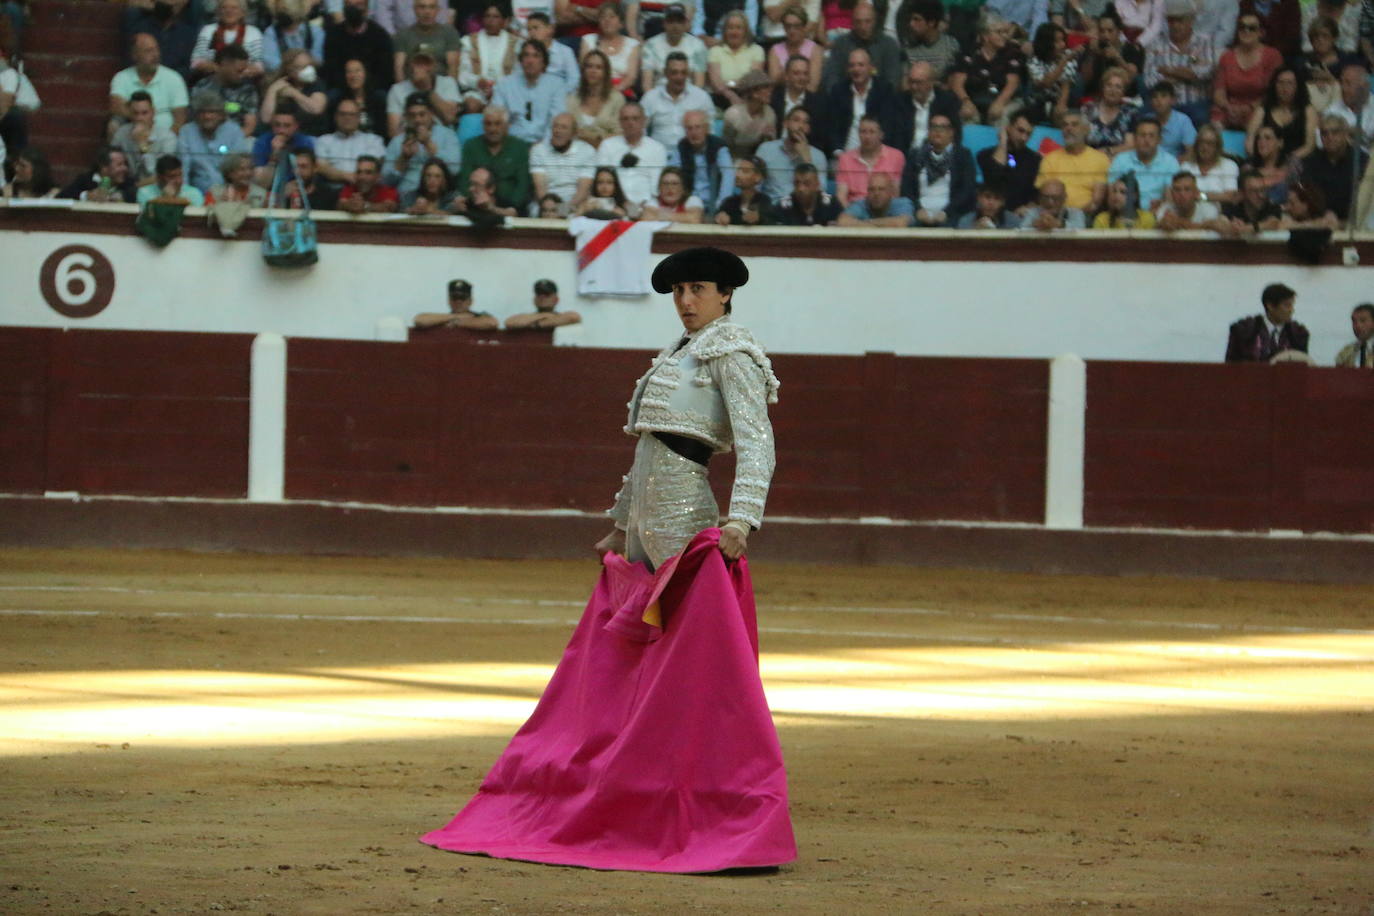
652,749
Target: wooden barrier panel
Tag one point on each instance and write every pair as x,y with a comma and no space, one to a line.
1243,447
24,401
150,414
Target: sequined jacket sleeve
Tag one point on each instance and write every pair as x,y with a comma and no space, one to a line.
743,387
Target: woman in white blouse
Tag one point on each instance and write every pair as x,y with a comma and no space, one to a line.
610,39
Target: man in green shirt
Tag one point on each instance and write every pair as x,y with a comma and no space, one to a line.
506,157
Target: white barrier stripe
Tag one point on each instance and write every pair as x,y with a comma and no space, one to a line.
959,639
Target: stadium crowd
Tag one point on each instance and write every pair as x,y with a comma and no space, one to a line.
1230,115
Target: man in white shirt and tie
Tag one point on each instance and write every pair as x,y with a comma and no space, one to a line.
1360,353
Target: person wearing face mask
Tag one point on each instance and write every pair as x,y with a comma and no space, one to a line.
172,25
358,38
299,82
291,29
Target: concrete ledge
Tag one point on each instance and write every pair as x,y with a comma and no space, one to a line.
315,528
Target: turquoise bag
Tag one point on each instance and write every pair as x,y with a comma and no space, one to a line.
288,242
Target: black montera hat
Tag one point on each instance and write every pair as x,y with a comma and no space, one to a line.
713,264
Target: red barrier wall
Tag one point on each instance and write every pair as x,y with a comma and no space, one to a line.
124,412
1248,447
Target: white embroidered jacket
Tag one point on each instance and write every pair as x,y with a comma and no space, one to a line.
716,389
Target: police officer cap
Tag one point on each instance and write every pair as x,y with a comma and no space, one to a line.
696,264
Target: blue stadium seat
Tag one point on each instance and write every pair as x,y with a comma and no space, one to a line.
1233,143
1042,133
469,126
978,137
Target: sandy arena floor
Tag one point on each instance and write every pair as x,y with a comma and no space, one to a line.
187,734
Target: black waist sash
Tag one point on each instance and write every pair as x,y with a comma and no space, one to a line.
687,447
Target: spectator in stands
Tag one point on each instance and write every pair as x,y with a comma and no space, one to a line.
1051,71
940,179
109,181
836,18
238,95
435,195
320,195
1354,106
808,204
620,49
338,152
607,200
707,170
507,158
1123,210
358,38
373,104
1346,16
445,97
488,55
881,208
928,42
728,61
1320,68
637,157
562,60
545,315
1359,354
911,114
1111,52
1335,167
862,96
1305,208
1186,61
1280,23
1053,212
673,203
229,28
749,206
595,103
1218,175
1217,20
1269,161
1111,117
430,34
1254,211
1178,131
1243,74
1287,110
201,146
856,167
781,157
795,44
17,99
481,204
1151,167
143,139
299,84
551,207
460,313
166,89
530,94
366,193
237,186
1082,169
885,55
1141,20
32,177
793,93
1012,166
667,103
169,186
988,79
291,28
397,15
421,141
169,22
752,120
285,138
1185,208
562,165
990,211
674,39
1259,338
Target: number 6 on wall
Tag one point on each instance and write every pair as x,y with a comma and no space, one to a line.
77,281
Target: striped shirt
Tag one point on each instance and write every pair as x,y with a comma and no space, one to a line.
1198,55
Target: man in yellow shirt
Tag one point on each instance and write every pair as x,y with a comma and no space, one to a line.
1082,168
